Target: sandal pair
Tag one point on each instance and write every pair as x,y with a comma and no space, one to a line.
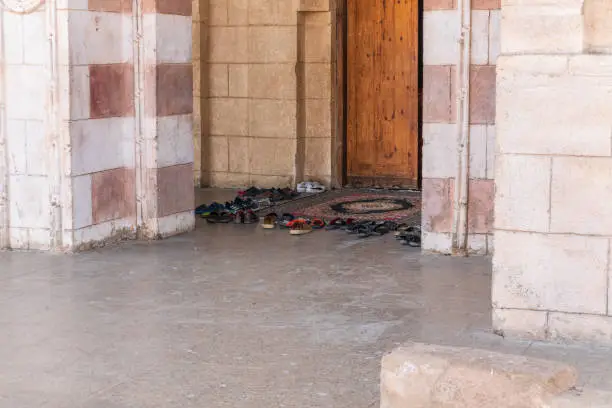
271,220
368,229
300,227
303,226
246,217
410,236
339,223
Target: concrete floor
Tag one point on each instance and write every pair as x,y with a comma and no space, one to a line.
236,316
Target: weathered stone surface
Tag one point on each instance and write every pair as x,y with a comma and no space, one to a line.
580,327
446,377
585,398
520,323
542,27
564,273
598,25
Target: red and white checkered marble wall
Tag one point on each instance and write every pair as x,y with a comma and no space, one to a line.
441,27
120,72
167,156
102,118
24,162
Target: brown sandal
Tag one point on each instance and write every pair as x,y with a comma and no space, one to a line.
269,221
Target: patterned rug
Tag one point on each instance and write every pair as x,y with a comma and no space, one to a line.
360,205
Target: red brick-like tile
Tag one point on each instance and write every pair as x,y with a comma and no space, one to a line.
437,205
480,207
437,89
486,4
116,6
113,195
429,5
482,94
111,90
175,187
178,7
173,89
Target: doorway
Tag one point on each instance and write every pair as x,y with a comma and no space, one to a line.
382,114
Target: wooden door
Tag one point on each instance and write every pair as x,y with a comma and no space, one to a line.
382,132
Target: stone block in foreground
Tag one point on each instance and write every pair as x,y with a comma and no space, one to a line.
427,376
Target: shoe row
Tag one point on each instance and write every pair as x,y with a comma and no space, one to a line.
406,234
231,207
271,194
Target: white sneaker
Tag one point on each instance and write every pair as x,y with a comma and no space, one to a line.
303,187
316,187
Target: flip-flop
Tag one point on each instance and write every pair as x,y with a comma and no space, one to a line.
401,228
373,228
317,224
335,224
300,227
349,223
415,229
365,229
353,227
391,225
411,237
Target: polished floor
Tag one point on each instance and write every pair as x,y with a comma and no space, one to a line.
236,316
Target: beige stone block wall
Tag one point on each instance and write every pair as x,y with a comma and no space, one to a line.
264,92
200,11
553,170
315,93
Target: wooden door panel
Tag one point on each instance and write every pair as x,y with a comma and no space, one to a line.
382,92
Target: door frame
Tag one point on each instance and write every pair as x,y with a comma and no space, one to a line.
339,92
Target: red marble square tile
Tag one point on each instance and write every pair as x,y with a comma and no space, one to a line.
437,205
429,5
113,195
175,189
480,206
111,90
486,4
482,94
437,91
178,7
117,6
173,89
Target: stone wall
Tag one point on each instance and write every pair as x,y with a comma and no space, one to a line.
265,95
553,171
24,164
441,30
97,138
101,121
